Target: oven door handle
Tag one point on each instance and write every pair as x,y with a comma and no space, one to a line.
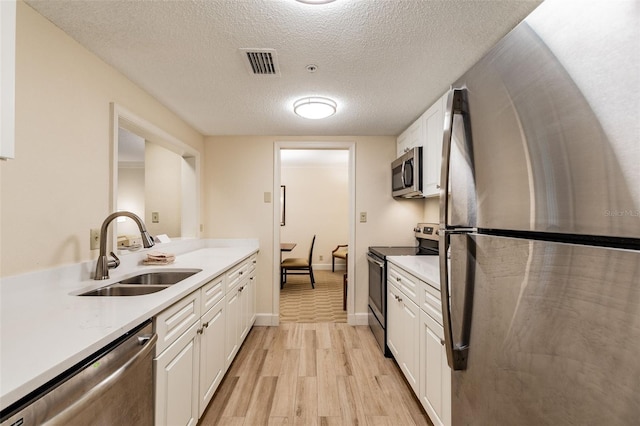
374,260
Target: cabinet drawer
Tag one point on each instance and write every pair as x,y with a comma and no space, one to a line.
212,293
177,319
236,274
430,301
406,282
253,261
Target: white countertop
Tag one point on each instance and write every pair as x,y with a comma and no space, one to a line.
46,329
426,268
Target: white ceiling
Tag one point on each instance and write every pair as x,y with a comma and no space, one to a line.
383,61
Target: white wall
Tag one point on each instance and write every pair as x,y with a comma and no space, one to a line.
317,202
58,186
240,169
130,196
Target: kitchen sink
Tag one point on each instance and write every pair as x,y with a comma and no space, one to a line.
159,278
146,283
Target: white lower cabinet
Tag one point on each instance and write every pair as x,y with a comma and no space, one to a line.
177,381
403,322
232,325
212,362
435,374
416,341
194,350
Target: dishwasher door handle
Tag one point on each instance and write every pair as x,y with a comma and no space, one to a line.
66,415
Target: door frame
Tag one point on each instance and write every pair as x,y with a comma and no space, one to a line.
349,146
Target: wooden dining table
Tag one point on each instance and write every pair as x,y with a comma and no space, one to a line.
287,246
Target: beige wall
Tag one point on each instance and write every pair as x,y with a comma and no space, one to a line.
432,210
58,186
163,190
317,202
241,169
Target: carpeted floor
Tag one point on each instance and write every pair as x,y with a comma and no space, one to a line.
301,303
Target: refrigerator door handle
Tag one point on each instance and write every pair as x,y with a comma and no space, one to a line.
456,354
456,104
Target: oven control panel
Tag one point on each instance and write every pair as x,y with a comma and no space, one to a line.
427,230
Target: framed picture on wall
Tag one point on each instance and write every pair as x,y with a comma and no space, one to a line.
283,192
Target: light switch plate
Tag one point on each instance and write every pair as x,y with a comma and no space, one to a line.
267,197
363,217
94,239
155,217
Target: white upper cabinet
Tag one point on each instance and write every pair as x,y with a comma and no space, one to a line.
427,132
410,138
433,127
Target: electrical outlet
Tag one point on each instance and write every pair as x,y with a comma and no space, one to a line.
155,217
94,239
363,217
321,257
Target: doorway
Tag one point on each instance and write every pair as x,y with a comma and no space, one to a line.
307,208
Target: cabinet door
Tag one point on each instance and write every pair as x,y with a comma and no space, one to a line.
394,322
177,381
403,329
253,284
411,357
411,137
433,131
212,355
435,374
245,301
232,325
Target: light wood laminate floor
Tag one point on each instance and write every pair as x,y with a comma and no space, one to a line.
313,374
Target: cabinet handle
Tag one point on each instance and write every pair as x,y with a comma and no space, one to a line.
205,325
398,279
200,330
240,289
240,273
399,299
254,262
442,342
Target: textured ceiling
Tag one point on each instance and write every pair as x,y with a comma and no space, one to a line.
383,61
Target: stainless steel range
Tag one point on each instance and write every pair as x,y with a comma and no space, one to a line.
427,239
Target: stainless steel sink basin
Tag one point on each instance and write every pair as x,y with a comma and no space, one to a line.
125,290
147,283
162,278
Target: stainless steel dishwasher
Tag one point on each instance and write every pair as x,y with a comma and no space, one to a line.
114,386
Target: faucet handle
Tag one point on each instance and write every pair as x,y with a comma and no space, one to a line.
113,263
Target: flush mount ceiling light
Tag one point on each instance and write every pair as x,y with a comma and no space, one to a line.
315,108
315,1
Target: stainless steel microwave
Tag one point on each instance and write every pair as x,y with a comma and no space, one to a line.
406,175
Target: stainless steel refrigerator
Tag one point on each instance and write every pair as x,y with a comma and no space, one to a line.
540,222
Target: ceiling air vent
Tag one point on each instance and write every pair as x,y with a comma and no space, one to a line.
261,61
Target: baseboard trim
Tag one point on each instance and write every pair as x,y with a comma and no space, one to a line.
358,319
267,320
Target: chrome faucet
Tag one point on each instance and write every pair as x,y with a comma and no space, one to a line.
104,264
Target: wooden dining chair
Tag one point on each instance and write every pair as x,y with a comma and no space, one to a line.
339,252
298,266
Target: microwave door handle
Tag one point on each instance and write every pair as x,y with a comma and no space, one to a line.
404,184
